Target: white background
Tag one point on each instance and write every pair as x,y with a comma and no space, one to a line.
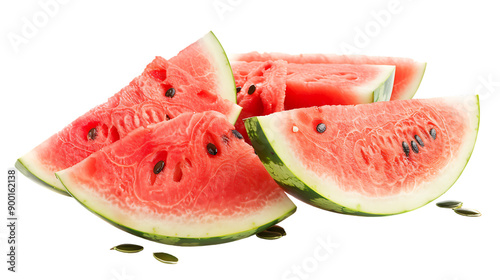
87,50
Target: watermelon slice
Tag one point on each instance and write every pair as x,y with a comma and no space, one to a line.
409,73
330,84
370,159
261,90
163,91
188,184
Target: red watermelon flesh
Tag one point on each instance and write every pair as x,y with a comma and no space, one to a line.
409,73
329,84
269,80
199,196
369,159
142,102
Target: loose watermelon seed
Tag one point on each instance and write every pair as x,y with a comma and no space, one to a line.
251,89
433,133
419,140
237,134
170,92
238,89
414,147
159,167
166,258
467,212
269,235
212,149
128,248
92,134
321,128
277,229
453,204
406,149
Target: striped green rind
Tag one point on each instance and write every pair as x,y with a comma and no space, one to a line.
186,241
293,185
24,170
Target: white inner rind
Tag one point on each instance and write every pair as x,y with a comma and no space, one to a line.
327,186
177,226
227,87
366,90
38,169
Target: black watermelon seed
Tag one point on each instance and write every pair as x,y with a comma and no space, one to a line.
406,149
414,147
453,204
170,92
211,149
237,134
433,133
467,212
92,134
321,128
419,140
167,117
251,89
158,167
238,89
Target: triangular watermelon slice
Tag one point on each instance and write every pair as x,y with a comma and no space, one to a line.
409,73
192,182
261,90
164,90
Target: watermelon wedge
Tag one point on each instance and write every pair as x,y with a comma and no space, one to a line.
371,159
409,73
163,91
261,90
330,84
188,184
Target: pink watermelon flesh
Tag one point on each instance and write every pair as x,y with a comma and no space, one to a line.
269,80
329,84
358,164
198,197
142,102
409,73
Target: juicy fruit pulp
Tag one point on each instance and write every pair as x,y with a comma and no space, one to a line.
189,82
358,163
328,84
407,78
198,198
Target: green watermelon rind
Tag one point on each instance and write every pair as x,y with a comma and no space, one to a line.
225,72
30,175
186,241
384,91
300,190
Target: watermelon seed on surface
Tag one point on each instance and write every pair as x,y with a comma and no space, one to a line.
269,235
128,248
237,134
159,167
321,128
453,204
170,92
406,149
467,212
165,258
419,140
251,89
277,229
238,89
92,134
414,147
433,133
212,149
